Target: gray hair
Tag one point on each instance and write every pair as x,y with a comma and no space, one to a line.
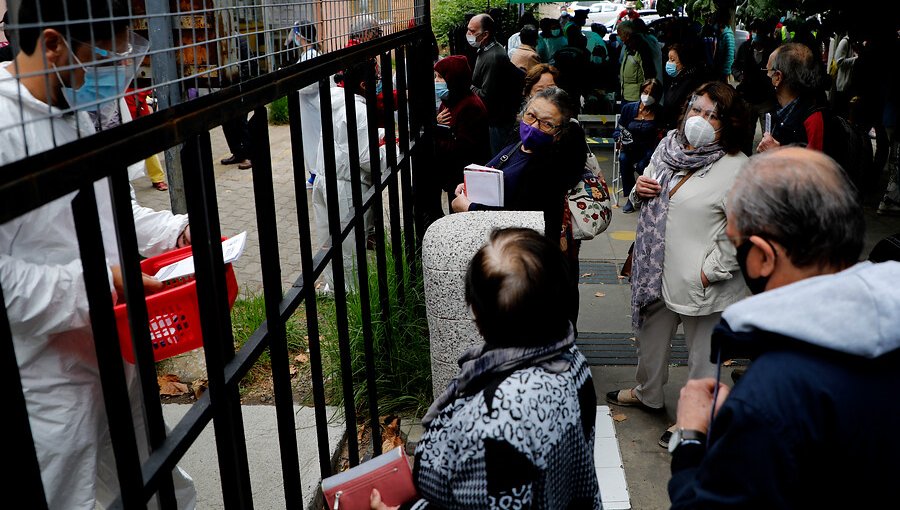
798,66
559,98
801,199
364,24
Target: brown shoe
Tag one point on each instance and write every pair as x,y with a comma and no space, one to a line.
627,398
245,165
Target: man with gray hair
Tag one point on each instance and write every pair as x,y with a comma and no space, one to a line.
492,79
813,411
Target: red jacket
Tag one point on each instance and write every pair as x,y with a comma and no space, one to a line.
467,141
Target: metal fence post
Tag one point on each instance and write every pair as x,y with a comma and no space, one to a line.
165,71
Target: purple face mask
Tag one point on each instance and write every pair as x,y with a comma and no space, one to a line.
532,137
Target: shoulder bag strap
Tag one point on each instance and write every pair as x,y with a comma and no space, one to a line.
680,183
504,158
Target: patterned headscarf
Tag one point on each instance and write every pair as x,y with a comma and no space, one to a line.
669,158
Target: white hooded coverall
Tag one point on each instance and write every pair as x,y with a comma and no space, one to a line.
44,291
342,171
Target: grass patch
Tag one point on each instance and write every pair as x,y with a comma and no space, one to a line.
247,315
278,111
402,361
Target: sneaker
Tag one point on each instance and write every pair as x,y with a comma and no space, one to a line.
628,208
666,436
888,207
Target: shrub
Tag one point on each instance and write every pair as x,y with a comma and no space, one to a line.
278,111
402,361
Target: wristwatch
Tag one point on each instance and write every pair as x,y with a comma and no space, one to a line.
685,436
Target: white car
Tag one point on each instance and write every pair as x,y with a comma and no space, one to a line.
604,12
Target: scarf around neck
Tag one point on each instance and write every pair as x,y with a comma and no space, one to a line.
483,361
669,158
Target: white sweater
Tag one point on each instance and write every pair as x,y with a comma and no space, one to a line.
696,217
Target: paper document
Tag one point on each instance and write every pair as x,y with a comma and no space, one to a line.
484,185
232,249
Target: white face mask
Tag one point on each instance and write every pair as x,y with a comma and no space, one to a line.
699,131
472,40
647,99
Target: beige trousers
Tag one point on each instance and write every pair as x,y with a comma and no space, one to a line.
654,343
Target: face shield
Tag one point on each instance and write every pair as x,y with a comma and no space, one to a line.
106,77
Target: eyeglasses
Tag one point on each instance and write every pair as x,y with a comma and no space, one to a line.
530,118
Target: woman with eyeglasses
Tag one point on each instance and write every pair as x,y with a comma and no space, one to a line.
539,168
679,275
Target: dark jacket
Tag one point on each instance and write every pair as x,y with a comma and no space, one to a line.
813,422
466,141
548,175
492,80
800,122
679,90
755,86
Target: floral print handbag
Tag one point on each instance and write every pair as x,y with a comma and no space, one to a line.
588,203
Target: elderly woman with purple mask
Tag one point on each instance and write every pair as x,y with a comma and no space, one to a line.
679,275
539,168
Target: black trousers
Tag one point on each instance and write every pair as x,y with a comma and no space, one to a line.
237,134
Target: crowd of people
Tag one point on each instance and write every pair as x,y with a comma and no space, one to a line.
742,243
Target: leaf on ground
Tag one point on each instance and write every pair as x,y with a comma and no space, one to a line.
599,294
170,385
727,363
619,417
293,370
302,358
586,275
621,277
199,387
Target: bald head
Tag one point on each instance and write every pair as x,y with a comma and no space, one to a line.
798,68
801,199
516,286
482,27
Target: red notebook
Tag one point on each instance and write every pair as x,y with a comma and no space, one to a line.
388,472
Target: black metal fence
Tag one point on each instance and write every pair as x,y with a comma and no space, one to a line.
38,180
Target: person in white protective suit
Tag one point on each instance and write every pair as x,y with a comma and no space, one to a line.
303,35
354,79
42,95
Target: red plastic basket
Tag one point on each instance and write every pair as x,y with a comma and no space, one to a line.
174,315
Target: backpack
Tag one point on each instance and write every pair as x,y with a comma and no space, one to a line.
851,147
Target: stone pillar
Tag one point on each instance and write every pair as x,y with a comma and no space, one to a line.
447,248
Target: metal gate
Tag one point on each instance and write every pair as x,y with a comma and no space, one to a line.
183,128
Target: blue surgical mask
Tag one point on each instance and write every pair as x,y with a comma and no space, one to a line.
671,70
532,137
101,83
440,90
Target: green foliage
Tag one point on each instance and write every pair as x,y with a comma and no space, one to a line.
760,9
278,111
402,360
447,14
250,312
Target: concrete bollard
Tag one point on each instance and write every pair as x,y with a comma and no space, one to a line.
447,248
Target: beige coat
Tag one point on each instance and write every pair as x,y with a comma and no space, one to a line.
696,217
525,57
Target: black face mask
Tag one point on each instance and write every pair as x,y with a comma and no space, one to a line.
758,284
